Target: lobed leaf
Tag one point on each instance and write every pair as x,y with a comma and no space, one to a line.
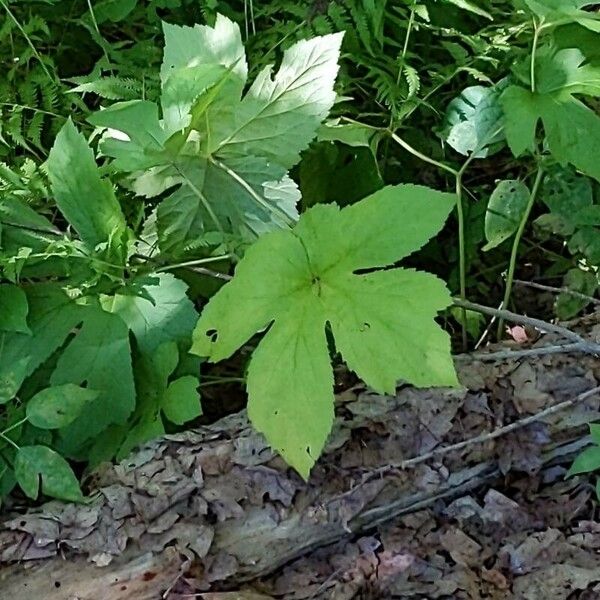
300,281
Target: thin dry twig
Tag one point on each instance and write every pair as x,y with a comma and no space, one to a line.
527,352
479,439
542,326
557,290
501,431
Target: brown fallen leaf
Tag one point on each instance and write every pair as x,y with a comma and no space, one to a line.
464,550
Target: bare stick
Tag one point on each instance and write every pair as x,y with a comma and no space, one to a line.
521,320
558,290
479,439
585,348
501,431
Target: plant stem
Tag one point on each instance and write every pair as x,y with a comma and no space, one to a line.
515,247
536,36
193,263
409,28
422,156
9,441
15,425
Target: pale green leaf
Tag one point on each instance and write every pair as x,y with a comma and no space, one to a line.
35,463
140,145
13,309
181,401
474,122
278,117
182,88
227,156
290,385
505,211
305,278
58,406
156,309
86,200
202,45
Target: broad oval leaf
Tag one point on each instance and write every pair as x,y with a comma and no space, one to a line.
181,401
57,406
300,280
505,210
35,463
586,462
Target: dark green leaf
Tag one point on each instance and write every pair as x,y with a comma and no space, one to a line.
13,309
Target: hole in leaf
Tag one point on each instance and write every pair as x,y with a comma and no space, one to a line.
365,327
213,334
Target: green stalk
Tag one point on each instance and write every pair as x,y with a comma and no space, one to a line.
194,263
422,156
537,29
515,247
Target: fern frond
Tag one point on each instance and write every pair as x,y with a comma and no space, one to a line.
112,88
412,79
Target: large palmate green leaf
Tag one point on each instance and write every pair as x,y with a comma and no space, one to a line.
224,155
572,129
303,279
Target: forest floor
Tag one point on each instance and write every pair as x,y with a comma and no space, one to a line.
453,494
